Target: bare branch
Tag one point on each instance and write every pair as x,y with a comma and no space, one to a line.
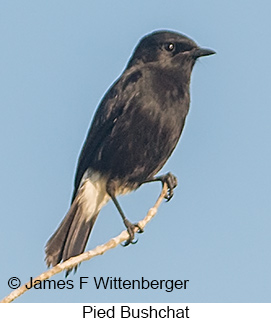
99,250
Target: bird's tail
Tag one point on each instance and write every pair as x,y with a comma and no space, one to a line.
71,237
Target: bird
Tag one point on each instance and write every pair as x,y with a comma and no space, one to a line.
135,129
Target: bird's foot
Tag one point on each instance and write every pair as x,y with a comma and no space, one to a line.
171,182
131,230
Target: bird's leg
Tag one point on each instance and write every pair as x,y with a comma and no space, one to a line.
110,188
169,179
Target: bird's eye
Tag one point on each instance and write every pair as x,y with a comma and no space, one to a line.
169,47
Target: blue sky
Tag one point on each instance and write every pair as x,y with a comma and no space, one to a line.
57,59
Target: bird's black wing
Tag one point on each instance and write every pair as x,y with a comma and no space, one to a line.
110,109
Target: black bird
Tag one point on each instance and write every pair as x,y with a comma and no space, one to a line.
133,133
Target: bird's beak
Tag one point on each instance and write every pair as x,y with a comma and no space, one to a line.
199,52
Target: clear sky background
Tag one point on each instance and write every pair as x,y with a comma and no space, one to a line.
57,59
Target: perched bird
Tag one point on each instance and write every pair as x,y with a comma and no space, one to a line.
134,131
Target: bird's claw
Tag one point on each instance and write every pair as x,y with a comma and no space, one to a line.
131,231
171,182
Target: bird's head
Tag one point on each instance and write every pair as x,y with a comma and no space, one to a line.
168,48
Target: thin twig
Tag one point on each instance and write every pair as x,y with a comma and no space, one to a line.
99,250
